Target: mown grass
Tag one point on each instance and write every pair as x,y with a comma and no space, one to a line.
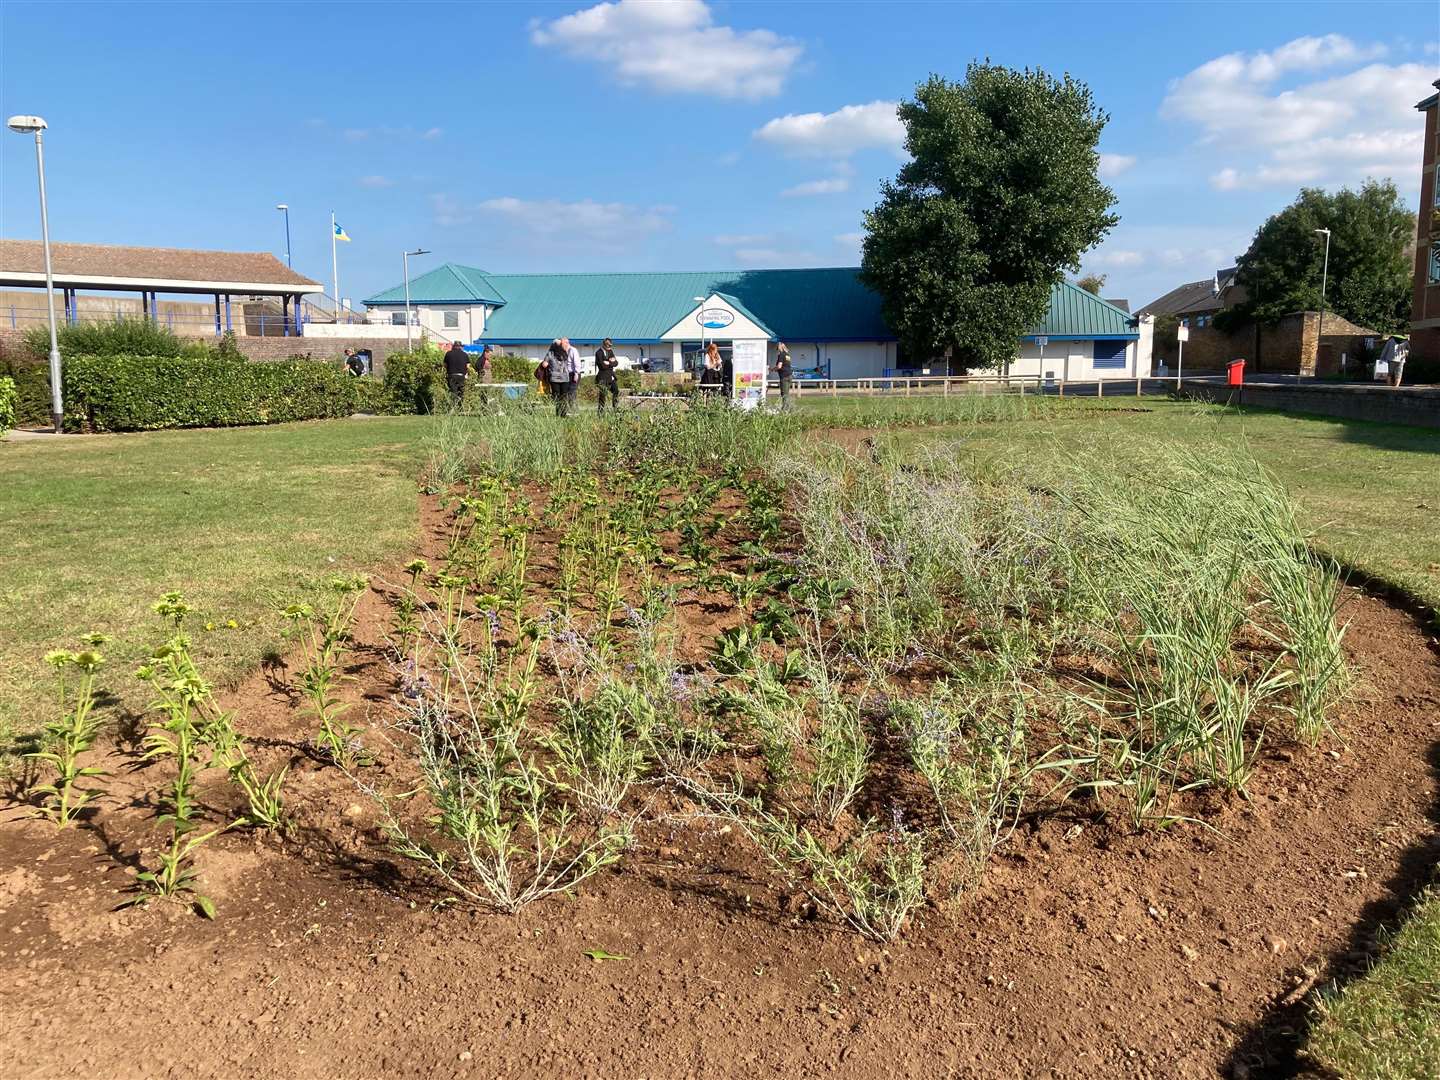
1386,1026
1368,492
240,519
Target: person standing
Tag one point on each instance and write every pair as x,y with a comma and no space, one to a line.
783,371
572,384
605,379
483,364
564,374
457,366
711,375
354,365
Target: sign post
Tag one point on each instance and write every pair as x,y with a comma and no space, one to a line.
1182,335
1042,341
747,360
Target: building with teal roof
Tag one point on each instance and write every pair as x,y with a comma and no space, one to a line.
831,322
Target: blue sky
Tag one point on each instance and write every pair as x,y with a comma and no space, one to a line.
668,135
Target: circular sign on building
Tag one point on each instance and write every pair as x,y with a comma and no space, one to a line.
714,318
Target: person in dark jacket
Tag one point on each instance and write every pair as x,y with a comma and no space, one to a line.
354,363
457,366
564,374
605,380
783,371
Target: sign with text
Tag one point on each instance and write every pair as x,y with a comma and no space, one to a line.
1042,341
1182,332
747,359
714,318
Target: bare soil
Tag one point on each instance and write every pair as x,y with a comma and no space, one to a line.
1088,950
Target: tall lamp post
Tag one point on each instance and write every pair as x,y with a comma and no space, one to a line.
1324,280
285,207
405,261
25,125
700,300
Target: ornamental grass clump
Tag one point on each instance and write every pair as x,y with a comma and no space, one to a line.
72,735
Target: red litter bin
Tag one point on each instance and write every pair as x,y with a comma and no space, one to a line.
1236,373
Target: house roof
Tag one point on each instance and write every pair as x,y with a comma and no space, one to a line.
1123,305
824,304
1075,313
1190,298
168,269
448,284
806,305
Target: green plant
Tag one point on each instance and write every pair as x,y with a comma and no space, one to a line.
108,338
600,744
180,694
8,398
71,735
143,392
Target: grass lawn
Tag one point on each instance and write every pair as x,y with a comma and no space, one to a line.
1369,492
1386,1026
240,520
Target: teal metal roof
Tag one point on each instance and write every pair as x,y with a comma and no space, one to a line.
806,305
448,284
1075,313
826,304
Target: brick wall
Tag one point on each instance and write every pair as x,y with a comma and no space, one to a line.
1290,346
1419,407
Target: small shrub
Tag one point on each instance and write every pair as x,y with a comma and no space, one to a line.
8,394
120,337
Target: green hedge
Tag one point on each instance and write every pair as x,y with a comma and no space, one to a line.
144,393
7,403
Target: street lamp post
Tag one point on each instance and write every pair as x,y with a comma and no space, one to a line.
25,125
701,300
286,208
405,261
1324,280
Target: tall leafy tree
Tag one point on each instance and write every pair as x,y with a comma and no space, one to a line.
1001,196
1370,233
1091,283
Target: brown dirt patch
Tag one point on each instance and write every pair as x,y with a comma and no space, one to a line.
1088,950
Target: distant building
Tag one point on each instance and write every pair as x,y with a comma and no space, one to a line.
831,322
1196,303
1425,307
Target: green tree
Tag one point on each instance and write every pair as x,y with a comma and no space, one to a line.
1001,197
1091,283
1369,284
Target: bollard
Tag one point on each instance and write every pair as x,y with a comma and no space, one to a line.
1099,387
1137,385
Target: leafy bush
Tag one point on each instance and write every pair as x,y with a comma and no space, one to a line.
509,368
7,403
415,380
143,393
32,389
122,337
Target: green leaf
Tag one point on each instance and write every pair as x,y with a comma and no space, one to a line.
205,906
600,954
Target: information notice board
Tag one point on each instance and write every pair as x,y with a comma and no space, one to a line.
747,358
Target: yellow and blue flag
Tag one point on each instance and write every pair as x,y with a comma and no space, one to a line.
340,233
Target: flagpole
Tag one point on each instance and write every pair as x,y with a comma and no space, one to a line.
334,268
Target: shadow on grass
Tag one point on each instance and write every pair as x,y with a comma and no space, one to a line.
1273,1047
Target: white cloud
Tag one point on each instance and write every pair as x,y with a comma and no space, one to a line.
376,181
1107,257
772,257
744,239
850,239
830,186
1112,165
579,222
838,134
397,134
673,46
1270,130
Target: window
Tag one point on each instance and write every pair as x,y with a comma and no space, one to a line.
452,320
1434,264
397,318
1110,355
